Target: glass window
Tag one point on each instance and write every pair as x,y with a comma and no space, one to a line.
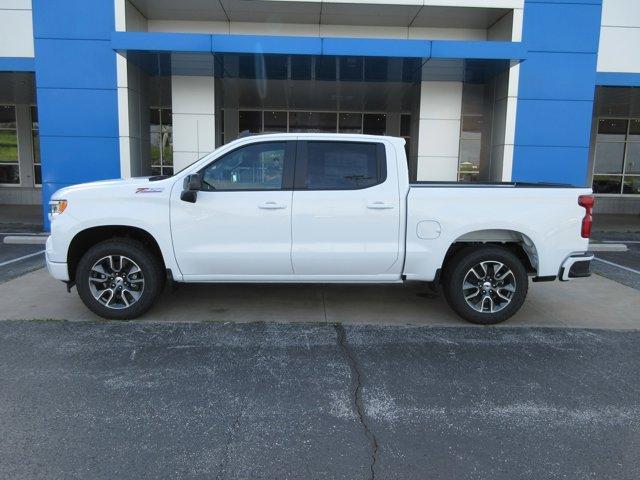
405,125
607,183
249,121
350,123
300,67
612,130
253,167
9,166
313,122
617,156
275,121
634,130
471,128
632,163
161,137
325,68
374,124
631,184
351,68
609,158
343,166
35,142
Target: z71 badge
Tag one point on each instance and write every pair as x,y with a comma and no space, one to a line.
149,190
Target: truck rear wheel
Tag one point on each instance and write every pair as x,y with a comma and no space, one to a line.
485,285
119,279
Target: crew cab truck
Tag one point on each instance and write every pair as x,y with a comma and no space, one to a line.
319,208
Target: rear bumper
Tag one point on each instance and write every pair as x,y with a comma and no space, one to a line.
576,266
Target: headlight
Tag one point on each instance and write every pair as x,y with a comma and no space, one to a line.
56,207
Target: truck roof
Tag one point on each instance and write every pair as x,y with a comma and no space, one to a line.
340,136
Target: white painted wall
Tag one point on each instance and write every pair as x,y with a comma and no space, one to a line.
314,30
16,28
620,37
193,104
439,130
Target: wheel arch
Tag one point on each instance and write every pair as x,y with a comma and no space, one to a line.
89,237
517,242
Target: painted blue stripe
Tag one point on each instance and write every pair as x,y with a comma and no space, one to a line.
161,42
376,47
478,50
618,79
17,64
266,44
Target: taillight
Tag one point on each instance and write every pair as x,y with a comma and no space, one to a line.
587,202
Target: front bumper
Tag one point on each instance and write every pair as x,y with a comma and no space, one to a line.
576,266
57,270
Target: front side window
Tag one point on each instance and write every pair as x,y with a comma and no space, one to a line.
258,166
343,165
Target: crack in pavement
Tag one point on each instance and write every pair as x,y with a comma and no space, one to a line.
356,376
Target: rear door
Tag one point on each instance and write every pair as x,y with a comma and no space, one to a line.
346,209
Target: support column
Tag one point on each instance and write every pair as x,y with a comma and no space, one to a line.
439,130
193,104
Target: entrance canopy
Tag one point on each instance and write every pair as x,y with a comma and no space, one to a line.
234,56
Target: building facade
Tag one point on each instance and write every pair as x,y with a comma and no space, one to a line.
482,90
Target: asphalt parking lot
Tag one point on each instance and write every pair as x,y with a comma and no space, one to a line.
623,267
132,400
16,260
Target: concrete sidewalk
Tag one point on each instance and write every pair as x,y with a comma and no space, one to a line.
594,302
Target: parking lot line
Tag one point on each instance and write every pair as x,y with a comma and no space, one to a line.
619,266
14,260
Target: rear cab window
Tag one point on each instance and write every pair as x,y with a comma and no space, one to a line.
337,165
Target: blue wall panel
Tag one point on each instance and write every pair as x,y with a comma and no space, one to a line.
77,112
76,89
73,19
58,64
551,164
556,89
558,76
562,123
97,154
561,27
17,64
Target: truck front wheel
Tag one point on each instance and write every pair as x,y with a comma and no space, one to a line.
485,285
119,279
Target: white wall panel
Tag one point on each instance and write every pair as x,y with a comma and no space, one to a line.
621,13
437,168
441,100
193,105
16,32
439,130
193,94
619,50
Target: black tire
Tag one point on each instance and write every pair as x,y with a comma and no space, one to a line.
458,268
151,269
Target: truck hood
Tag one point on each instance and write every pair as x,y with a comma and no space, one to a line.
121,184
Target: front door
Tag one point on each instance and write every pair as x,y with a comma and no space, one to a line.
346,210
240,225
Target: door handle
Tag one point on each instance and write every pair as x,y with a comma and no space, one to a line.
272,206
379,206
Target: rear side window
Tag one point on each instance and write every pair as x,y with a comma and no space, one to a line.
343,165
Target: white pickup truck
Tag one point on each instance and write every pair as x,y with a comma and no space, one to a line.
320,208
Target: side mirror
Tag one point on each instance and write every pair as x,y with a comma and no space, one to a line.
192,183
